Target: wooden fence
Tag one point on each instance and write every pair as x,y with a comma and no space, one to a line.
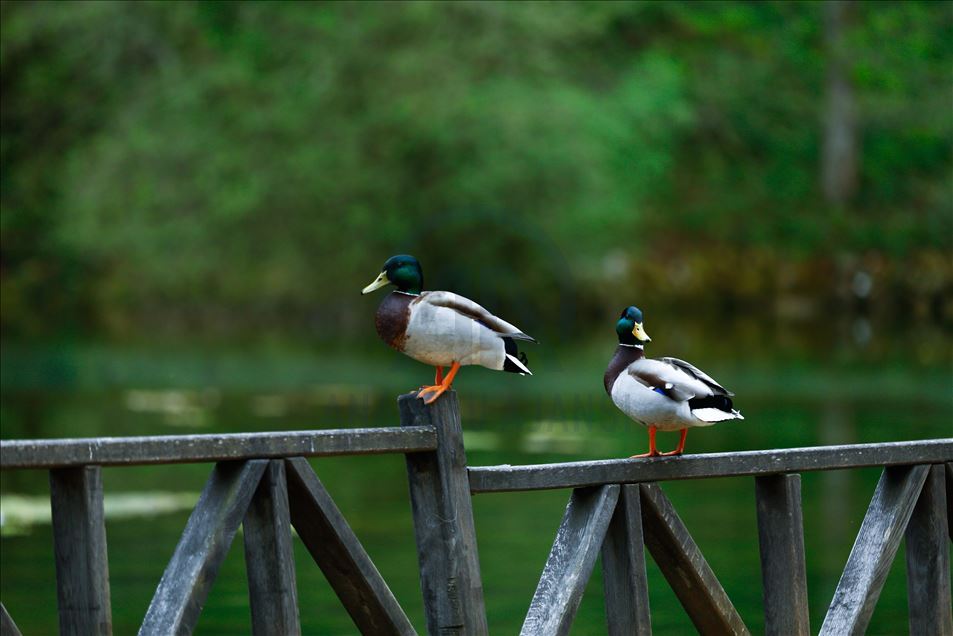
264,482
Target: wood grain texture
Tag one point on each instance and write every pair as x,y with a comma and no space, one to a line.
79,547
573,555
7,626
443,520
766,462
928,560
185,584
949,498
685,568
874,549
623,569
340,555
783,570
269,557
177,449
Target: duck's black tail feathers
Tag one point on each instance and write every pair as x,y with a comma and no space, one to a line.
514,360
720,402
714,408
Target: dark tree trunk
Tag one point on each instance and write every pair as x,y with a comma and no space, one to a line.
839,167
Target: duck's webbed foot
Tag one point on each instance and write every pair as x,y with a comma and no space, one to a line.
439,389
681,445
653,451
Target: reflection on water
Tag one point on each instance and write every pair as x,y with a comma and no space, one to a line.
19,512
561,414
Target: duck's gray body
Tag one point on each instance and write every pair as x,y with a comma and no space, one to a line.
439,328
670,394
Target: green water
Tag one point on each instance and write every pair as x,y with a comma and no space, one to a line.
789,397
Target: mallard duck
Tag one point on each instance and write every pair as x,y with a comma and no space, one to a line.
441,328
667,394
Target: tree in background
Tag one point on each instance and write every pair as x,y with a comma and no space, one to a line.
223,165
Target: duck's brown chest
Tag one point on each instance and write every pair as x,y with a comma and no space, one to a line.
624,356
392,318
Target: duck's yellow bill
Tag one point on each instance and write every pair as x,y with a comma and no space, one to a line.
379,282
640,334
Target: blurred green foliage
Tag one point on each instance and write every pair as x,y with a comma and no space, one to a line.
218,165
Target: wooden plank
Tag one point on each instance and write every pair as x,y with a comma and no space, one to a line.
443,520
79,547
340,555
7,626
874,549
766,462
949,498
685,568
928,559
189,576
269,557
783,571
573,555
175,449
623,569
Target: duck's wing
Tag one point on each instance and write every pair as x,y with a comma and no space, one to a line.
669,380
466,307
698,374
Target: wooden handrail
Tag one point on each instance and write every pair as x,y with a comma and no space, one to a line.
507,478
262,480
180,449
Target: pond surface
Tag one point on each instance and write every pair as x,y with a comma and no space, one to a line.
790,395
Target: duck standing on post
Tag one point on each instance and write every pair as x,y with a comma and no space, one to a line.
667,394
441,328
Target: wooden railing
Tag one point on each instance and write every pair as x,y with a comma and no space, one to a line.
265,483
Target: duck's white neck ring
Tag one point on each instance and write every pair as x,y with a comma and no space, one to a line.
397,291
622,344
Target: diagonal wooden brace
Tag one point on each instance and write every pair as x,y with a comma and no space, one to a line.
570,561
874,549
340,555
185,585
685,568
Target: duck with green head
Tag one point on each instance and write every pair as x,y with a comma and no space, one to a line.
665,395
441,328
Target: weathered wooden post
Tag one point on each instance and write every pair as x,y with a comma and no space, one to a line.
623,568
443,520
928,559
269,556
783,569
79,544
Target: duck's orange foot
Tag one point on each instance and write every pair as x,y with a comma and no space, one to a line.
439,389
681,444
651,453
436,389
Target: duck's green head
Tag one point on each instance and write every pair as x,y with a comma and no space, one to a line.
630,328
403,271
